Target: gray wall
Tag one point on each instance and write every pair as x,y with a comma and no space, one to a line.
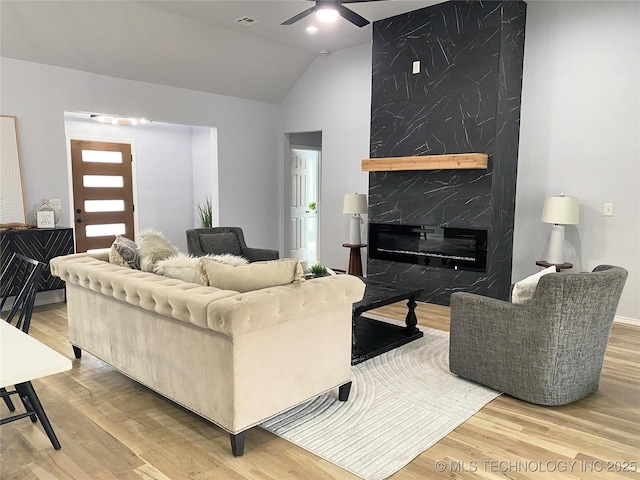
249,153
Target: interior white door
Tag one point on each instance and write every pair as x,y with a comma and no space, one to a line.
304,194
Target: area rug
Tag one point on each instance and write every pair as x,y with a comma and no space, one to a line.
401,403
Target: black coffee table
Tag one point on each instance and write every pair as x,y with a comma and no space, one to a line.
374,337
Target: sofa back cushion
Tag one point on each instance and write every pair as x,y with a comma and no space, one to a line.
253,276
218,243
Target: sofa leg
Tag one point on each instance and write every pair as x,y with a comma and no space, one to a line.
77,352
343,392
237,443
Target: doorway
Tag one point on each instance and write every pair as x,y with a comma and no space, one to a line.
102,193
305,205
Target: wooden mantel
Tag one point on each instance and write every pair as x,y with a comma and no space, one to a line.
427,162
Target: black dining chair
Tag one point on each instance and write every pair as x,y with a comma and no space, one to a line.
20,280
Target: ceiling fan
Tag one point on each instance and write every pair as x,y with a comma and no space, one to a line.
322,6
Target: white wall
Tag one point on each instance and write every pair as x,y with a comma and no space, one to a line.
248,142
334,96
580,135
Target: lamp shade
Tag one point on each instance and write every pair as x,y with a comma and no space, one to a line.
355,203
561,210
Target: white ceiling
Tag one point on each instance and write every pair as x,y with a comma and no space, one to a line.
182,43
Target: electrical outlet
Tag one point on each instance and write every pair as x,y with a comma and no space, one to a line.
416,67
608,210
56,203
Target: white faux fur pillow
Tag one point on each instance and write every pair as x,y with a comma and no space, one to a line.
523,290
153,247
189,269
182,267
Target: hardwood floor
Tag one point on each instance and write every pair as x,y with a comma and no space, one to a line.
112,428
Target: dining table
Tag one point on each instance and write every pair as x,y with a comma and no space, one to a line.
23,359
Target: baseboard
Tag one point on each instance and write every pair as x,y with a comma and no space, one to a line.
627,320
51,296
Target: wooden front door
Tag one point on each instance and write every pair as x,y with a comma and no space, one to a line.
102,193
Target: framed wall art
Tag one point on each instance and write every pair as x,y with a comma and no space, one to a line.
12,204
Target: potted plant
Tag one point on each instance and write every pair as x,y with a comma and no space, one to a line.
205,212
318,270
312,207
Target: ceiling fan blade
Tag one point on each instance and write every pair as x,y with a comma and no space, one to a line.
352,16
299,16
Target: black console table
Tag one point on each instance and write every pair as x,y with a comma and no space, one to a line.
41,244
374,337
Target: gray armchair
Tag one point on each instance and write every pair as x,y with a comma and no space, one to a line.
548,351
220,240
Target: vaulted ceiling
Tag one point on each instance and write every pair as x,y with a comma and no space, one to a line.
197,45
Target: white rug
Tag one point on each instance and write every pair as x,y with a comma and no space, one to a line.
401,403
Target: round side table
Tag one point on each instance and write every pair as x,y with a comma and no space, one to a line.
559,266
355,259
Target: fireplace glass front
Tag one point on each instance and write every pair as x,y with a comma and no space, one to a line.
433,246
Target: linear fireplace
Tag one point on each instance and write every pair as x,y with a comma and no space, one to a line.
433,246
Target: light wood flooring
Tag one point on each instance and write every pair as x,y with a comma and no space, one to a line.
112,428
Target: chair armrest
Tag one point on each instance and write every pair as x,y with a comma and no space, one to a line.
260,254
193,244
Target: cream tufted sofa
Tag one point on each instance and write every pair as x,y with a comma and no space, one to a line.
236,359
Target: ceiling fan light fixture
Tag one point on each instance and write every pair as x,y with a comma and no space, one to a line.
327,14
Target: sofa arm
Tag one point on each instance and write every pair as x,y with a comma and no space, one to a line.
487,338
245,312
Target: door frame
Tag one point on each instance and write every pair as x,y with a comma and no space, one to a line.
134,182
287,193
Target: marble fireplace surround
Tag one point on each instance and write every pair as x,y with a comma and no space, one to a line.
465,98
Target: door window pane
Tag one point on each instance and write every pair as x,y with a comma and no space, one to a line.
112,181
105,230
104,206
101,156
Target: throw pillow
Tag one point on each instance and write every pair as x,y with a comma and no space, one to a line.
153,248
524,289
252,276
124,252
182,267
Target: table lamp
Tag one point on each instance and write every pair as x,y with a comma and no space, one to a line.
355,204
560,211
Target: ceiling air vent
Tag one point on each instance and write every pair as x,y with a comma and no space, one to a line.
246,20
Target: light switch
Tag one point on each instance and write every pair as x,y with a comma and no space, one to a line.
416,67
608,210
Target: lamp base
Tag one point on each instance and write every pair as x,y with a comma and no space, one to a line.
556,245
354,231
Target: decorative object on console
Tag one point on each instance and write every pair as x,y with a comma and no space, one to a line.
560,211
355,204
45,216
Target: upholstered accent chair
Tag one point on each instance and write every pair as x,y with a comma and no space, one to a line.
548,351
221,240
